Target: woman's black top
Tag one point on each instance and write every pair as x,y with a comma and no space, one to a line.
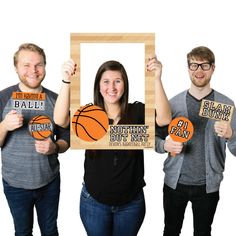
115,177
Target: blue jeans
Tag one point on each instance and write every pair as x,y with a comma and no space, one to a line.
203,207
45,200
104,220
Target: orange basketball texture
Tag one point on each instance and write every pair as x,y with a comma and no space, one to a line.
90,123
40,120
182,129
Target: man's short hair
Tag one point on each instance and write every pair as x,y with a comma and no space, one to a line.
29,47
201,53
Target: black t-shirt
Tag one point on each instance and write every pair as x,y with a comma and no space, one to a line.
114,177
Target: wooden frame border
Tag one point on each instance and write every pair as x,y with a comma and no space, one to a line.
148,39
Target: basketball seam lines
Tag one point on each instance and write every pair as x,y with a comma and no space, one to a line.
41,136
91,110
38,132
87,132
77,123
92,119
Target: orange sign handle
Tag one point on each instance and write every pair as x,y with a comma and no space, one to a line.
173,154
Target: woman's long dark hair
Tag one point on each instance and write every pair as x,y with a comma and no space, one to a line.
113,66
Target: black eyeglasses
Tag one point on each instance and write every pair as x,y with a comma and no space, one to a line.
205,66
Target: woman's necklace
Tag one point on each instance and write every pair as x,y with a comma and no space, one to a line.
116,119
114,113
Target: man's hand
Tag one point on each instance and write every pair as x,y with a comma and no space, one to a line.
13,120
45,147
173,146
223,129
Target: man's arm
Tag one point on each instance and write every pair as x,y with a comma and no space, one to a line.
163,144
3,133
48,147
12,121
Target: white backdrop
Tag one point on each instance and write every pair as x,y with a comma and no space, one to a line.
130,55
179,26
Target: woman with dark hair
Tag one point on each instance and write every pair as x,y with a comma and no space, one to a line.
113,67
112,199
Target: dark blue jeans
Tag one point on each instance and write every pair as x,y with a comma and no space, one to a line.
45,200
203,207
104,220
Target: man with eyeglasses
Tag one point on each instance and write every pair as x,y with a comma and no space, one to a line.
196,171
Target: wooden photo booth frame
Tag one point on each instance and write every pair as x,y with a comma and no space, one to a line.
144,140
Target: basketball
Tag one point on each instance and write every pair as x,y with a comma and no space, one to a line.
90,123
40,127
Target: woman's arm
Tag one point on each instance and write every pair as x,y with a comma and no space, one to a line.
62,106
163,111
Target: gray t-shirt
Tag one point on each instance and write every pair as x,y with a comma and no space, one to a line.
193,171
22,166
